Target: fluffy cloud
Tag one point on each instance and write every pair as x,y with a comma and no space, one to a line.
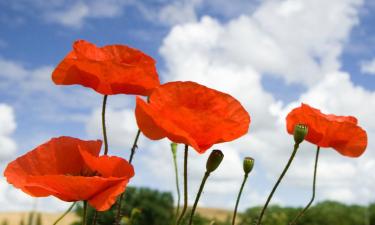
74,15
7,127
368,67
20,82
300,42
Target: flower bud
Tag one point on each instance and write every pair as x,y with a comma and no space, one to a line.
248,164
174,148
214,160
300,132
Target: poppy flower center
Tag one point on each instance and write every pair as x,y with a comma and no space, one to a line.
85,172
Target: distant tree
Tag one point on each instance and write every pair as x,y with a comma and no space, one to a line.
5,222
275,215
324,213
371,214
153,207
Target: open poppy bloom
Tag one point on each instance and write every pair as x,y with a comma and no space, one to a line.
190,113
339,132
71,170
109,70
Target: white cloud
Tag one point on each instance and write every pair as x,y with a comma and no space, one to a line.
301,42
7,127
368,67
20,82
179,12
74,15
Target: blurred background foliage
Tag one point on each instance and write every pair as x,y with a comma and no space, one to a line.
144,206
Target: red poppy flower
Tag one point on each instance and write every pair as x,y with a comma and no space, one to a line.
190,113
339,132
71,170
112,69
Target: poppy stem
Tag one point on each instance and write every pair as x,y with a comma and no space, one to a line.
134,147
206,175
313,189
64,214
84,218
94,217
238,198
103,125
177,183
185,186
296,145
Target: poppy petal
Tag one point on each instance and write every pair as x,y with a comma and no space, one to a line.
190,113
112,69
338,132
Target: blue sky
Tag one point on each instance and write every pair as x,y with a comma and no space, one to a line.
269,54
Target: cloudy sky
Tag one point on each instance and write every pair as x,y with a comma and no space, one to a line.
271,55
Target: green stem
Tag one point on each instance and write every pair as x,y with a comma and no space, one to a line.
95,217
84,218
277,183
238,199
313,189
103,125
64,214
134,147
177,185
206,175
105,142
185,186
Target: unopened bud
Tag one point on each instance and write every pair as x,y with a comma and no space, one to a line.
248,164
214,160
300,132
174,148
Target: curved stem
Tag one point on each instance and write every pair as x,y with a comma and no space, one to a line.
134,147
277,183
64,214
177,184
185,186
206,175
238,199
84,217
105,142
103,125
313,189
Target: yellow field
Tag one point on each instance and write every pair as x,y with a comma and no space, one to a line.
14,218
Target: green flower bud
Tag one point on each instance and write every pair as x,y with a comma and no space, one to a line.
300,132
248,164
214,160
174,148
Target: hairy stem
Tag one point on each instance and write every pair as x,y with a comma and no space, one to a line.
64,214
134,147
103,125
238,199
206,175
277,183
177,185
185,186
313,189
84,217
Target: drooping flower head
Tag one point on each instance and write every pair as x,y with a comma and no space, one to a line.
71,170
190,113
109,70
326,130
